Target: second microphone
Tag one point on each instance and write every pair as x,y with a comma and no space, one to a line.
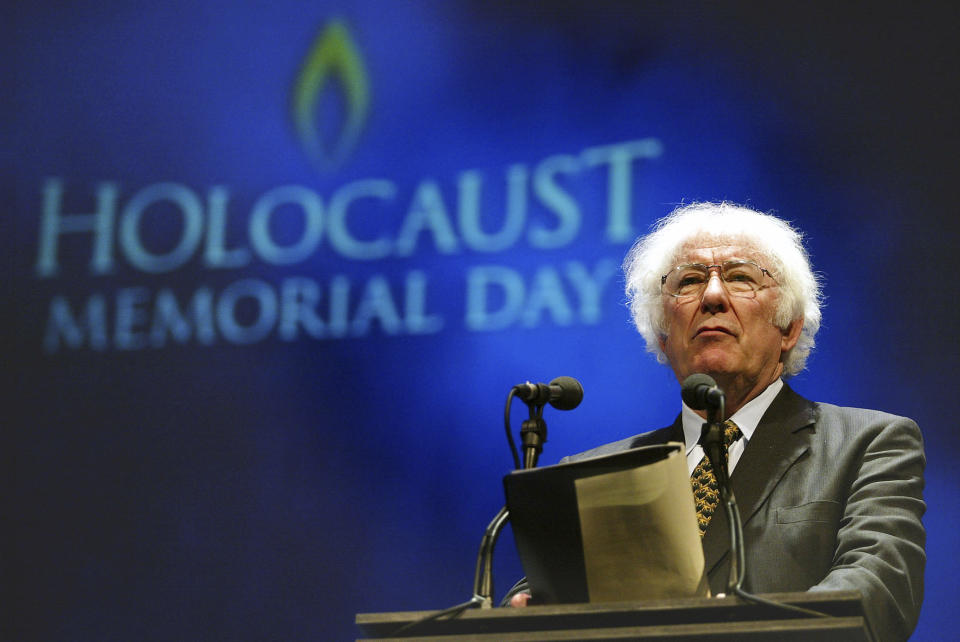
563,393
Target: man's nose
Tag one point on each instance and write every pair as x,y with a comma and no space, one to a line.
714,297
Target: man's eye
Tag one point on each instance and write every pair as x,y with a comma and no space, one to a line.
741,276
691,279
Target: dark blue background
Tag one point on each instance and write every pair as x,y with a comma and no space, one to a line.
271,491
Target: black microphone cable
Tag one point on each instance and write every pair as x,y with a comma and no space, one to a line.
506,424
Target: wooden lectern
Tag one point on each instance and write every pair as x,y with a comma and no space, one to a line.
693,619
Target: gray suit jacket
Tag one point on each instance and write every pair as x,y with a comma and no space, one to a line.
831,498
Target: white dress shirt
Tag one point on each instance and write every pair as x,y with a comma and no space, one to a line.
746,419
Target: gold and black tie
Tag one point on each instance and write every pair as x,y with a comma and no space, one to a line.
706,493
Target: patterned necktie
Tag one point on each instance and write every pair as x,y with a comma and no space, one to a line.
706,493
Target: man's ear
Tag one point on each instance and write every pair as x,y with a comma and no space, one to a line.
661,341
791,334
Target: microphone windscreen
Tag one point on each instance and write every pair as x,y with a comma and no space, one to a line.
691,390
571,393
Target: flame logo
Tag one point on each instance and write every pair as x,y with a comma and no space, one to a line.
333,57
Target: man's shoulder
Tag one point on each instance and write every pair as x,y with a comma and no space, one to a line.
862,420
869,414
841,429
791,407
659,436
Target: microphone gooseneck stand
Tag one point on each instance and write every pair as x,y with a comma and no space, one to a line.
711,438
533,433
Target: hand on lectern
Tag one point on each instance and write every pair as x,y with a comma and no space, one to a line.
520,599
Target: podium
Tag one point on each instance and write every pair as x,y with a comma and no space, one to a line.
687,619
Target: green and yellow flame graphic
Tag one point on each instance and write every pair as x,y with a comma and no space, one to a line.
333,56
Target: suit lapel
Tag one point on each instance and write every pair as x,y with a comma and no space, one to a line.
673,432
780,439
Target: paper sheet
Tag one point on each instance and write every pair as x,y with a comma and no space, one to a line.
640,534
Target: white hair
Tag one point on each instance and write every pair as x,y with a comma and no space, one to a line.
778,243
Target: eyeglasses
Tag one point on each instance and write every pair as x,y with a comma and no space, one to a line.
741,278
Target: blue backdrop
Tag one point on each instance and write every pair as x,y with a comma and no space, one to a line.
273,268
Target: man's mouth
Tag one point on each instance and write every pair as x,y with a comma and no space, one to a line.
713,330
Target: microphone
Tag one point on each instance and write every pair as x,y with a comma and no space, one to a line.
700,391
563,393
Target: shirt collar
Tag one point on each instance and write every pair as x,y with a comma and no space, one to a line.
747,418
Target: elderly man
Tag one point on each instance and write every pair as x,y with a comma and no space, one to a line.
830,497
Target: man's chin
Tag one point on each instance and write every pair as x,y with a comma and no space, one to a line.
717,366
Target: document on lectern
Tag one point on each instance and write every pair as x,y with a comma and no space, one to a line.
608,529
